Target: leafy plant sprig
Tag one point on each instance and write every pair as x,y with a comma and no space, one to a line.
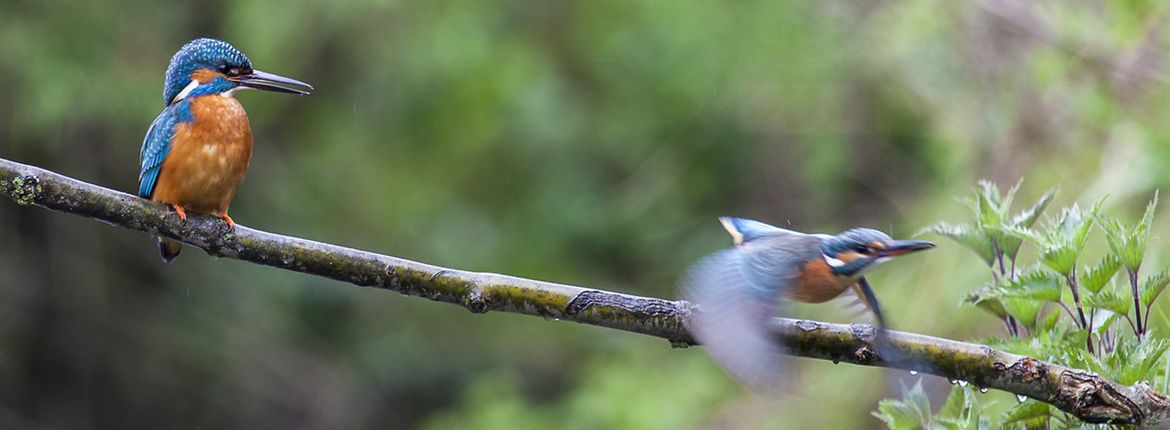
1088,335
987,236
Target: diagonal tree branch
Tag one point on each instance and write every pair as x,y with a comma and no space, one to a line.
1078,392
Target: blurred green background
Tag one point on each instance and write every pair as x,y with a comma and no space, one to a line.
584,142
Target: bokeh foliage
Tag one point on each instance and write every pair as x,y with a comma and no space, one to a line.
589,142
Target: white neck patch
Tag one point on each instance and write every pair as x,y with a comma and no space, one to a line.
833,262
186,91
232,92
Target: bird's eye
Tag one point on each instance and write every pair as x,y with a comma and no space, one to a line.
861,249
222,68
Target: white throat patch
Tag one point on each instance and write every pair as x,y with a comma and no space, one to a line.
232,92
186,91
833,262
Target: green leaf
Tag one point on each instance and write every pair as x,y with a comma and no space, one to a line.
1028,217
1081,225
1129,242
1153,286
1134,359
968,236
957,401
1023,297
1148,216
1030,411
1025,311
1048,322
1061,259
961,411
1110,301
989,305
1033,285
989,204
910,413
1062,239
1097,277
1024,233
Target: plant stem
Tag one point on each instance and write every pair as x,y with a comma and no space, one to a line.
1089,330
1137,303
1127,318
998,256
1076,291
1071,315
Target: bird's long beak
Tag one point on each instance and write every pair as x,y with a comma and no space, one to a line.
272,82
902,247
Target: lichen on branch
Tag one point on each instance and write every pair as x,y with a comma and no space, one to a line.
1078,392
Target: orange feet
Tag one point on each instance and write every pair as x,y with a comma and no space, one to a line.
179,210
227,219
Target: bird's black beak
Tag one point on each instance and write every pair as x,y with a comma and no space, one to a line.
902,247
272,82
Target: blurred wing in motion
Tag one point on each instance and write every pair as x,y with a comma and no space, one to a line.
738,291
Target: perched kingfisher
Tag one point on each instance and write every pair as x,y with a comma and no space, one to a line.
196,152
738,290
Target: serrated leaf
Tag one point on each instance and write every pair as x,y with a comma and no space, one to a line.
1129,242
989,203
1097,277
1029,411
961,411
911,412
1061,259
1110,301
1153,286
991,306
1006,202
1081,237
1061,240
969,237
1048,322
957,401
1148,216
1023,233
1028,217
1034,285
1023,310
1134,359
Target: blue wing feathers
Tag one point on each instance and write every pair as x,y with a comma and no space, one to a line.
743,230
157,144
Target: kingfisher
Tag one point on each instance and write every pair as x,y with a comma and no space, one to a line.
738,290
196,152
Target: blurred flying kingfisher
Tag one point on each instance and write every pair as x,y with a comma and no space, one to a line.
738,290
197,150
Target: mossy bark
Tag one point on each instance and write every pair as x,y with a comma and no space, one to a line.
1078,392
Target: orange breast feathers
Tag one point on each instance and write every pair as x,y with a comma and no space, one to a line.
818,284
208,156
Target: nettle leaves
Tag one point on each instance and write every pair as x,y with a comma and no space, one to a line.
1062,239
1022,297
960,412
986,236
1069,302
1031,296
1129,242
